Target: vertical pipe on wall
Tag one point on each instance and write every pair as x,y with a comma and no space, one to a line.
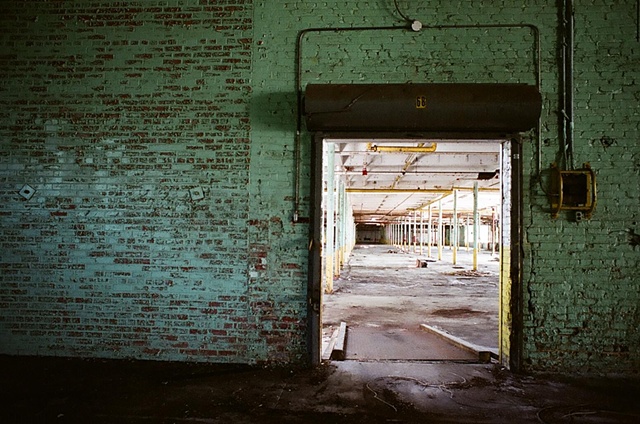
567,81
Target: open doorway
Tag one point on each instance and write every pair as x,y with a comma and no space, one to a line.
416,121
417,277
415,233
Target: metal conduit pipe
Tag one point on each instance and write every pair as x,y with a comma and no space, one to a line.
567,82
298,80
296,146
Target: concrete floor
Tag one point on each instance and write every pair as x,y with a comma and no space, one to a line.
49,390
57,390
381,287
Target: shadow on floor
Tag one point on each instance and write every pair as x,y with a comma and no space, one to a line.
47,390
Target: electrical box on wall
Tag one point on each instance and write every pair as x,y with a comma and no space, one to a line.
573,190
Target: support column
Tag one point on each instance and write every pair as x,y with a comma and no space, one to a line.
390,233
407,238
394,231
440,235
415,232
409,233
429,232
454,227
395,234
476,226
467,224
421,233
339,223
338,229
343,225
330,226
493,232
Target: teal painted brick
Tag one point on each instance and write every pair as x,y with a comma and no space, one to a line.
135,107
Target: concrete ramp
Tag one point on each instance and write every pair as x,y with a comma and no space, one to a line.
377,343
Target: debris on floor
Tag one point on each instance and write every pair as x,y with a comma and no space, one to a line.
391,292
468,273
58,390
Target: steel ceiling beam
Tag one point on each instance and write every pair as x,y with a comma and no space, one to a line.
415,190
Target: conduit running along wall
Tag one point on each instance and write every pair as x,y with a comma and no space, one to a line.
503,108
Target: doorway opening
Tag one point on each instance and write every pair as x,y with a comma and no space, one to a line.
415,239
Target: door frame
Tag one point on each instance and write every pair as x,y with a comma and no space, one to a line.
511,359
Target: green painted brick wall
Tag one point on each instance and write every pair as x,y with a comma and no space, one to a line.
581,282
130,121
159,136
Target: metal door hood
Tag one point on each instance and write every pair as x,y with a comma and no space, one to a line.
508,108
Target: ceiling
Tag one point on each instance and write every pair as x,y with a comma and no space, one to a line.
387,179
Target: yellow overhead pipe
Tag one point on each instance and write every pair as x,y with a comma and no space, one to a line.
402,149
493,189
396,190
437,199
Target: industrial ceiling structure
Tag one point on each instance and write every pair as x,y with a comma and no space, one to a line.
387,179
